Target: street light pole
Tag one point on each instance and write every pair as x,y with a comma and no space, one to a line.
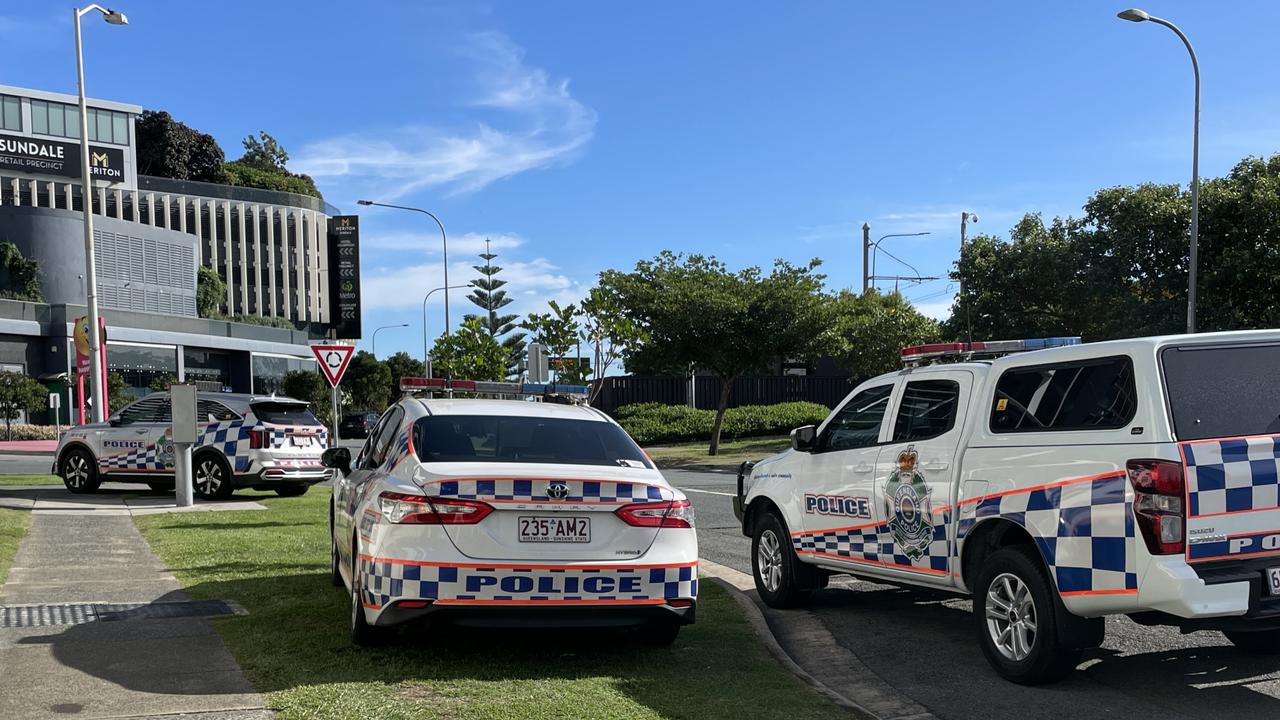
866,242
965,217
1136,15
375,336
96,381
426,354
444,240
875,248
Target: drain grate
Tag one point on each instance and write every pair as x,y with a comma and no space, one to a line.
19,616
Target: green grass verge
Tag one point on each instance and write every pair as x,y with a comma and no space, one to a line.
732,452
13,526
10,480
293,644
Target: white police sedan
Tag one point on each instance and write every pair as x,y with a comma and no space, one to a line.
509,513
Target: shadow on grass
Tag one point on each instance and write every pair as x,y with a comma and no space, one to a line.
295,641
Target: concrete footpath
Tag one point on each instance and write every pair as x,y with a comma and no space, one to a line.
93,626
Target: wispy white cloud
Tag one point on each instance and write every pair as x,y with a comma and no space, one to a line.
545,126
467,244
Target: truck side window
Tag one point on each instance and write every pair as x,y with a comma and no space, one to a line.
1094,394
857,424
928,409
141,411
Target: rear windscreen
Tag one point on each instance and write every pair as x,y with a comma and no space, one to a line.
1217,392
490,438
276,413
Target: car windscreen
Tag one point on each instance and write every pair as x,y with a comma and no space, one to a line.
278,413
493,438
1223,391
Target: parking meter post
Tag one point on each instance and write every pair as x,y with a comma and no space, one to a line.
182,400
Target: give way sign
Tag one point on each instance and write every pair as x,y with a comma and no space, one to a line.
333,360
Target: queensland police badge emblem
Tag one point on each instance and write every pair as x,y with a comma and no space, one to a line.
165,456
906,500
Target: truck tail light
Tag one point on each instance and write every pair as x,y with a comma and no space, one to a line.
1159,505
259,440
677,514
403,509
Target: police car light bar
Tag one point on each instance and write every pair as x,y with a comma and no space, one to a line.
936,351
421,384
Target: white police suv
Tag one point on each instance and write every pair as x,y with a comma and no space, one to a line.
1134,477
245,441
509,513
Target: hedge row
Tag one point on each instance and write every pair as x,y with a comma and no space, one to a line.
23,431
651,423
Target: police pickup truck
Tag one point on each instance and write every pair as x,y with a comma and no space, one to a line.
1057,486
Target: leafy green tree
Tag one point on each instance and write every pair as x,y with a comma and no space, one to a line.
117,391
263,165
695,312
367,382
609,331
403,365
310,386
488,295
211,291
871,329
162,383
168,148
469,353
19,394
19,276
559,331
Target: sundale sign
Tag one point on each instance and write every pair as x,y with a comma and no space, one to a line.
51,157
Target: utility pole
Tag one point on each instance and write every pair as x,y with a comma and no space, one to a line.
965,217
866,254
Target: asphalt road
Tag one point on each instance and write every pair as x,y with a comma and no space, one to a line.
25,464
925,645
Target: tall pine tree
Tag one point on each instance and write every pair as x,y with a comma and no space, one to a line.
488,295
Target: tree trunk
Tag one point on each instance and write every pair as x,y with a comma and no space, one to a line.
726,389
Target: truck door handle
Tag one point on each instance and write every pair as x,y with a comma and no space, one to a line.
863,468
141,432
939,465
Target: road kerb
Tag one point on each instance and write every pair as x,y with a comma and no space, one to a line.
819,660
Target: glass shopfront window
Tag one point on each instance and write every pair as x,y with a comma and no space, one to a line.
209,370
269,371
141,365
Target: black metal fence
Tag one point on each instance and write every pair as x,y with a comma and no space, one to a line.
748,390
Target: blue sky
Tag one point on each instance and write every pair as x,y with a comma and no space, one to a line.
584,136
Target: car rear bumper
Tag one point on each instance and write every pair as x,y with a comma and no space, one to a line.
293,474
592,616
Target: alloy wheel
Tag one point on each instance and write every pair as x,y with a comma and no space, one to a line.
769,561
209,477
76,471
1011,616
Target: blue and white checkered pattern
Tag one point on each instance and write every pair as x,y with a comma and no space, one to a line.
231,437
874,544
1232,475
388,580
534,490
1084,530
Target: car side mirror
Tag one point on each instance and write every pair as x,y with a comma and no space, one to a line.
114,421
802,438
338,458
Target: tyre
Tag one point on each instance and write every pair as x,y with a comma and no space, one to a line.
1264,642
292,490
362,633
211,477
780,576
79,471
660,633
1016,611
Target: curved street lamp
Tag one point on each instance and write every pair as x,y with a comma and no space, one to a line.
444,241
875,247
96,364
375,336
1136,15
426,354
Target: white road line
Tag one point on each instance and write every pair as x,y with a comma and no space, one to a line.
708,492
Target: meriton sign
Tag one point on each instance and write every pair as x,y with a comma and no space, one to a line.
51,157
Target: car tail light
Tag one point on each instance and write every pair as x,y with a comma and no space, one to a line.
405,509
680,603
259,439
678,514
1159,488
413,604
